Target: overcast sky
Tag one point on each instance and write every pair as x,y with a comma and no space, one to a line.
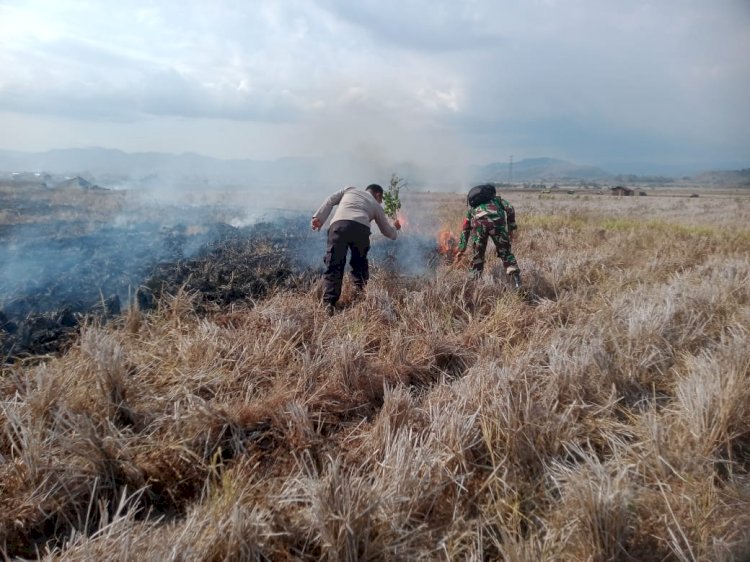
599,82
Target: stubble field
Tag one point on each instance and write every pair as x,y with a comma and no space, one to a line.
602,414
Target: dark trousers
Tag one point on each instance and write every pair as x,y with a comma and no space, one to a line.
345,236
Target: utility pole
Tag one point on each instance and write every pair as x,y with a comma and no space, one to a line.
510,170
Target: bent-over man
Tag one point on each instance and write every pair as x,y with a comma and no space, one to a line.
488,220
350,231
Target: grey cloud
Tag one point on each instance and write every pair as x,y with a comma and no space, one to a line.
74,79
170,93
592,140
441,25
577,79
163,94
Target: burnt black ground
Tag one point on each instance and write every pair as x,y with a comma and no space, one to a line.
56,274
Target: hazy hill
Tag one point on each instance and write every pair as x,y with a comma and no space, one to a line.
75,183
739,178
153,167
148,166
114,168
532,169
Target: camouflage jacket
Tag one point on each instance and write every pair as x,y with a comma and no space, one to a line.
495,211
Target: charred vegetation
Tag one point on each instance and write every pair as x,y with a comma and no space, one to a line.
60,271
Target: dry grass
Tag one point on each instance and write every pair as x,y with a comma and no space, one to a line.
604,417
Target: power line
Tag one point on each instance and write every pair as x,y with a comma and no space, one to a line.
510,170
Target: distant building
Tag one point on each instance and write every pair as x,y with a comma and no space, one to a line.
621,190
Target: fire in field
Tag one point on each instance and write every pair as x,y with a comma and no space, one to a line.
173,389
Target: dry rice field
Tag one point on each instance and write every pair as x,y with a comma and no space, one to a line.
603,414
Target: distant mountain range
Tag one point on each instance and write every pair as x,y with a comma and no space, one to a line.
109,166
114,168
537,169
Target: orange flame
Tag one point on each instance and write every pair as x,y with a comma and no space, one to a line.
447,240
447,243
401,216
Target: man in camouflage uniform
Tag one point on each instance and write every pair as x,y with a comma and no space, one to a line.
488,220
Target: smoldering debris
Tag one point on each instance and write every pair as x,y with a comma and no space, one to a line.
59,274
412,254
55,275
239,263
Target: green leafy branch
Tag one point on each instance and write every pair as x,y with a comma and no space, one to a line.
391,201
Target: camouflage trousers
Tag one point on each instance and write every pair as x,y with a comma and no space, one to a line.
483,230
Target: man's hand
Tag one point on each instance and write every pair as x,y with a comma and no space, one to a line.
459,255
397,224
512,235
315,223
